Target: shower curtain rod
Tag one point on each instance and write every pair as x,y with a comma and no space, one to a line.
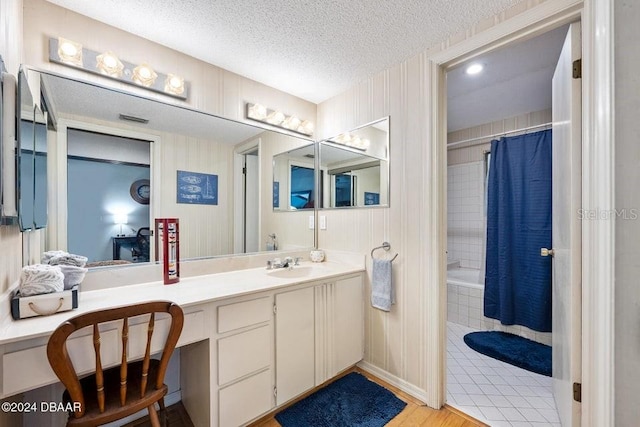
489,137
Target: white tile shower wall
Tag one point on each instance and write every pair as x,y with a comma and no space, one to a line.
465,306
465,217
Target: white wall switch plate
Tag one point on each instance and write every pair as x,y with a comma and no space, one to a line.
323,222
312,222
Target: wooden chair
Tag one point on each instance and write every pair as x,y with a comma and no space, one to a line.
120,391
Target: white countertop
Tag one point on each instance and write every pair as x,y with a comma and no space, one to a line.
187,292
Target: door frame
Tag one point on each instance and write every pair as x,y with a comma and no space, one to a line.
597,187
56,231
239,191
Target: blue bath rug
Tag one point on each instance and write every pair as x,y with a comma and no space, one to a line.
351,401
512,349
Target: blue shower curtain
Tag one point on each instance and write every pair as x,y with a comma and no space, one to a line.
518,279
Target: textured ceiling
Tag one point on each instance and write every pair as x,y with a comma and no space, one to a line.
311,49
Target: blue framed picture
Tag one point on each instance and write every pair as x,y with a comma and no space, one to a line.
197,188
276,194
371,198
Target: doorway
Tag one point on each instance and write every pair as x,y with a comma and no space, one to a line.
247,197
502,94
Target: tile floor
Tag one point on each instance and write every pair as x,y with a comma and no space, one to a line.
495,392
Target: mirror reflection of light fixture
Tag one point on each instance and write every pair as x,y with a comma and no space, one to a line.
70,52
174,84
277,118
144,75
109,64
120,219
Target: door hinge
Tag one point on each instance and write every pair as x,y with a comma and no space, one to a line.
244,170
577,392
275,309
577,69
275,392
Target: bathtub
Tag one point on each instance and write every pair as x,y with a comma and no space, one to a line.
461,276
464,296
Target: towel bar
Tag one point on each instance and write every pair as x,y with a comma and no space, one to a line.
386,246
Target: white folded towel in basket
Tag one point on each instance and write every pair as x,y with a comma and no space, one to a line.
39,279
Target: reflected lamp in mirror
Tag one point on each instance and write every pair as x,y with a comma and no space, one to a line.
120,219
354,168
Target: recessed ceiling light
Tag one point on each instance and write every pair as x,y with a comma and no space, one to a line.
474,69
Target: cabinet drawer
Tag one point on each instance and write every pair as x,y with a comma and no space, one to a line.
244,353
29,369
245,400
242,314
192,331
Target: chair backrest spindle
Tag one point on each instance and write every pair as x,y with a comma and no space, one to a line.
99,377
147,356
123,366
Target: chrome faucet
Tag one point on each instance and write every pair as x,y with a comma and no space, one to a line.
287,263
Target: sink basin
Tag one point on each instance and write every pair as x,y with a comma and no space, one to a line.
296,273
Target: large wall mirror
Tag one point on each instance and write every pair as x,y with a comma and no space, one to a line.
294,179
31,156
354,168
120,160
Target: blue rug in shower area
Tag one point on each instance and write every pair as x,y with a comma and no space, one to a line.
352,400
513,349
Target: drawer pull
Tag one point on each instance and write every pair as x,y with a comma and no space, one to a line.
36,310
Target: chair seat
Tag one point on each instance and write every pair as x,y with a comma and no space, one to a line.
113,409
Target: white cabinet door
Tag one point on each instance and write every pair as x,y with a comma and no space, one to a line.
348,324
295,351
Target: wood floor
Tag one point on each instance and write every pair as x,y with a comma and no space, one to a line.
176,416
414,414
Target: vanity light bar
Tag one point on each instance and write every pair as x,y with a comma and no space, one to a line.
73,54
352,141
260,113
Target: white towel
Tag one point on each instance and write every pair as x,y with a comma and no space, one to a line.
47,256
69,259
382,292
72,275
40,279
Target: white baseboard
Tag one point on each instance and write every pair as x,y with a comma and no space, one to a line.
403,385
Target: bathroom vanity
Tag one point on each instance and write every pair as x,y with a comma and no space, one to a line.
252,340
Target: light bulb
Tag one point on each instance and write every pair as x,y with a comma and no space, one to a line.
144,75
109,64
474,69
70,52
174,84
275,118
257,112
